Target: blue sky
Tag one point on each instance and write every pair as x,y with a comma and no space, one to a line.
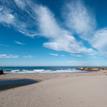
53,32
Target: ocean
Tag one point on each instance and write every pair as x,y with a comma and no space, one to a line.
40,69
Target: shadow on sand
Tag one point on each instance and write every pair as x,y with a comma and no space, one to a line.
8,84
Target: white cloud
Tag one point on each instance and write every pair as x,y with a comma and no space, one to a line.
59,38
6,17
79,19
99,41
1,8
8,56
54,54
11,17
20,3
47,23
49,28
19,43
11,56
40,20
68,46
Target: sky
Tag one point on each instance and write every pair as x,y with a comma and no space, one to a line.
53,33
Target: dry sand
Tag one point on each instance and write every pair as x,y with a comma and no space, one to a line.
57,90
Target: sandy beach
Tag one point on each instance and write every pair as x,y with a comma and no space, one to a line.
53,53
54,90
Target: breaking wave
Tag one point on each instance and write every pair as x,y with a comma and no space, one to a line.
44,71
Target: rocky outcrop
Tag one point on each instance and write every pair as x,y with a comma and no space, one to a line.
89,69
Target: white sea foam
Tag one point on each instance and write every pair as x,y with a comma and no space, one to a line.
45,71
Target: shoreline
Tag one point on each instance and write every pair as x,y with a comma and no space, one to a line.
38,77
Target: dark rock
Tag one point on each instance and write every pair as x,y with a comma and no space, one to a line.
1,72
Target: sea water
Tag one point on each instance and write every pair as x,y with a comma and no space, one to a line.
39,69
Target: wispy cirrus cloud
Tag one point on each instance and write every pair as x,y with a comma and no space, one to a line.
79,19
11,14
20,3
19,43
6,16
33,19
99,40
13,56
59,38
57,55
8,56
54,54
